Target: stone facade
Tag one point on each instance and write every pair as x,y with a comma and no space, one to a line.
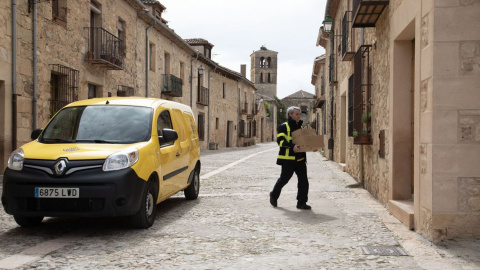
306,102
422,74
99,48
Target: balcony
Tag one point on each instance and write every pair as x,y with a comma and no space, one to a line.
203,96
172,85
347,37
367,12
104,49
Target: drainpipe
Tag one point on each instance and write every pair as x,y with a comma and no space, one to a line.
191,79
208,115
14,75
147,58
331,140
34,105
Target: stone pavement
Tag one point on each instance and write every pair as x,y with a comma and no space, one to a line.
233,226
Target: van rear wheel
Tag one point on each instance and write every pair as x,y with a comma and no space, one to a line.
191,192
27,221
145,216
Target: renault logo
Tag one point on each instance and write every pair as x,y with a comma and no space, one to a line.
60,166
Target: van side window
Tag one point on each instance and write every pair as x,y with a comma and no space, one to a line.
164,121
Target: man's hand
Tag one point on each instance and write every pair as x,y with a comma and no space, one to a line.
296,148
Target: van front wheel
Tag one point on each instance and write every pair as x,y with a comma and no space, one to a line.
145,216
191,192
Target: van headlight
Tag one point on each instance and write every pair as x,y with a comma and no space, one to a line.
15,161
121,160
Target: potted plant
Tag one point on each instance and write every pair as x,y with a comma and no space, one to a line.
364,137
355,133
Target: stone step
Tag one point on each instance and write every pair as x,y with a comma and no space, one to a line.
403,211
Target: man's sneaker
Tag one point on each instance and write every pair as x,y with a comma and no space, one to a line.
273,200
304,206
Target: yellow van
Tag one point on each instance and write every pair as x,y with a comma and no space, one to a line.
105,157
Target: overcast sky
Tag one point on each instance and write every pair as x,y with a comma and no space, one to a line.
237,28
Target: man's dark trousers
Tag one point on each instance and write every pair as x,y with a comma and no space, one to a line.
300,169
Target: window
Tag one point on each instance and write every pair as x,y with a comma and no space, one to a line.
164,121
269,62
151,56
92,91
182,72
241,128
59,12
122,36
262,61
63,87
261,77
201,126
125,91
303,108
224,90
269,80
350,106
254,124
166,63
216,123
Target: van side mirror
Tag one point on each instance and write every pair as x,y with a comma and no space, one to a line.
169,135
36,133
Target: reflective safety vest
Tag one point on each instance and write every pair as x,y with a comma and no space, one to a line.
288,138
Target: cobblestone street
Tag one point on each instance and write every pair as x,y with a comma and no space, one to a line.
232,226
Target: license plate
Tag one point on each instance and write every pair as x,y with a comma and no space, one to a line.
43,192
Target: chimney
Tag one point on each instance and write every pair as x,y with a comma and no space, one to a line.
243,70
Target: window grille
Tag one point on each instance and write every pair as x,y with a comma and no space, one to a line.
201,126
241,128
347,37
64,87
361,94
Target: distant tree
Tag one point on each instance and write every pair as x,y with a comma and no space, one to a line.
267,108
281,111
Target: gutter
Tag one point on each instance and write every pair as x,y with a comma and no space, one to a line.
14,75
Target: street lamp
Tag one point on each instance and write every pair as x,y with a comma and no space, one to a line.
327,24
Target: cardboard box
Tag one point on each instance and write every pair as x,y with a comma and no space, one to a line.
308,140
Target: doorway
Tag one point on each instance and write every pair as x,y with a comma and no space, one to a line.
229,133
343,128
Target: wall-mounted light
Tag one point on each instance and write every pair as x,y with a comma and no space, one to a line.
328,24
200,71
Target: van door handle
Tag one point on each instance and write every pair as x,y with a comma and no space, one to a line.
178,154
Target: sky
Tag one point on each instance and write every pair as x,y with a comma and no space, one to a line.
238,28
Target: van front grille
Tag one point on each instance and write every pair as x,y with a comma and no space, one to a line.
61,205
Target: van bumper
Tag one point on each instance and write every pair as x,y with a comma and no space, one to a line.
101,194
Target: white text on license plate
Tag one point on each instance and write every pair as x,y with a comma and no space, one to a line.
44,192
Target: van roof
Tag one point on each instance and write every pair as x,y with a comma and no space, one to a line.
132,101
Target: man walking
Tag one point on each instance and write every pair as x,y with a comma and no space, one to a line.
291,160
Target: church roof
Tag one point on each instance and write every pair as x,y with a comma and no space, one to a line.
300,94
264,49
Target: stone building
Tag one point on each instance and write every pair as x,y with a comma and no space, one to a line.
263,73
306,102
101,48
403,81
322,121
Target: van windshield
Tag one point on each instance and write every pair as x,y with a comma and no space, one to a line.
99,124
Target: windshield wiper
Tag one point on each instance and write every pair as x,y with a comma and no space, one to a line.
96,141
57,140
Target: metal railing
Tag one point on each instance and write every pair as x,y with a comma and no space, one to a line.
203,93
104,49
172,85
